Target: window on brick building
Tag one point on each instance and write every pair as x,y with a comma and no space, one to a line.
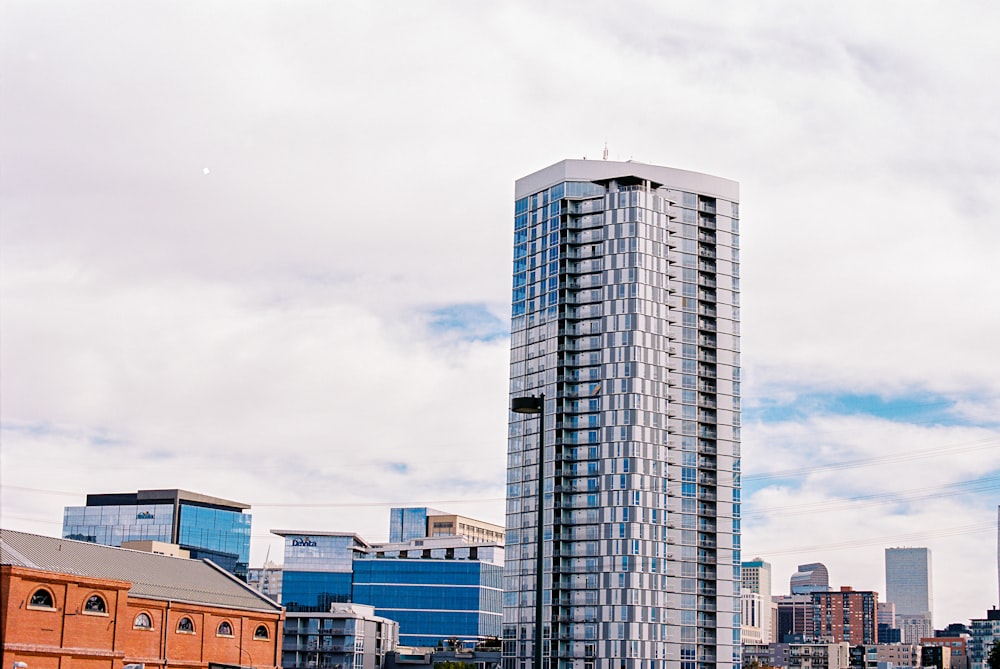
261,632
143,622
95,604
185,626
225,629
42,598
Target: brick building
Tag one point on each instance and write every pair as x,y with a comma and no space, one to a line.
66,603
848,615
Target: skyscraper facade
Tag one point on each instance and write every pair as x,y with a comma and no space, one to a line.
759,610
908,586
812,577
625,316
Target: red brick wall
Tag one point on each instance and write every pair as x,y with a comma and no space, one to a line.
41,637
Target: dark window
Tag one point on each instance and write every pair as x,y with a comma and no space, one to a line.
261,632
95,604
225,629
185,625
42,597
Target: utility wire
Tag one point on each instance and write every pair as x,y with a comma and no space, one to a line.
935,451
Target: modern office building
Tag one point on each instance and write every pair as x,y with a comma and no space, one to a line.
416,522
348,636
319,569
908,586
436,588
625,316
796,619
206,527
812,577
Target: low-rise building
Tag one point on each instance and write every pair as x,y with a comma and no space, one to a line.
348,636
819,655
958,650
984,631
98,607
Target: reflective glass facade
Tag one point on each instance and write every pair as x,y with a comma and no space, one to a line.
318,570
436,589
625,315
433,600
111,525
207,527
409,523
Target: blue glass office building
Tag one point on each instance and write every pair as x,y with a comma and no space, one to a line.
436,588
433,600
207,527
318,569
409,523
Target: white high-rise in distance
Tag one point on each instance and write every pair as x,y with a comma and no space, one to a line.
625,315
908,586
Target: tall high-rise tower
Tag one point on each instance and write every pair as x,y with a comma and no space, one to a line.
908,586
625,316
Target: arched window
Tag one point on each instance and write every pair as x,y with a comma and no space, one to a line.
185,625
143,622
261,632
95,604
225,629
42,597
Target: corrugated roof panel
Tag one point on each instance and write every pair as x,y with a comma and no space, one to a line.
151,575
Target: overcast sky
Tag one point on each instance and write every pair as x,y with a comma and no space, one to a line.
262,251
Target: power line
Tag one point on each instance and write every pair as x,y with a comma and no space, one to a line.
935,451
900,497
884,539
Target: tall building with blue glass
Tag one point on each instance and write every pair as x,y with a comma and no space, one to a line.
625,316
207,527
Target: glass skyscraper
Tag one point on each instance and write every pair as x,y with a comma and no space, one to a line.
625,315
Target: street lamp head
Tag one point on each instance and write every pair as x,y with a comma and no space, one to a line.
527,404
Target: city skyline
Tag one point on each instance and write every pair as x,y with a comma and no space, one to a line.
263,253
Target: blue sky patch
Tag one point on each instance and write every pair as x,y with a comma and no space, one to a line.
920,408
472,321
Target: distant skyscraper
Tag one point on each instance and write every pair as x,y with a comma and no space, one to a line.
625,316
759,610
908,586
812,577
847,615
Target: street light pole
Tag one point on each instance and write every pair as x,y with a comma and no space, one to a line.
536,405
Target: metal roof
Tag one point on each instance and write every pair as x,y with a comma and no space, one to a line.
154,576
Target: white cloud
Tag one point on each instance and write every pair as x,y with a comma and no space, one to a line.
261,332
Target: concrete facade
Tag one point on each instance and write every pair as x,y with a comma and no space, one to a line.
625,312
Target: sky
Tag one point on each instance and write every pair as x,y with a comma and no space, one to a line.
262,251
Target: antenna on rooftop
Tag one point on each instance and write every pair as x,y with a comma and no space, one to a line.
604,156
